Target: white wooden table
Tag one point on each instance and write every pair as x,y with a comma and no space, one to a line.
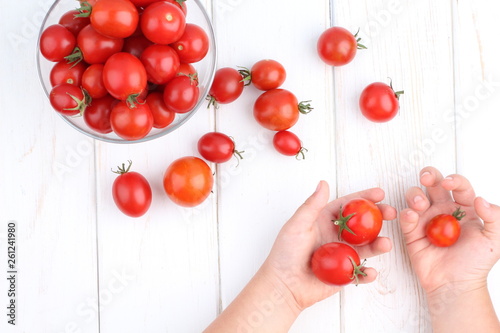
85,267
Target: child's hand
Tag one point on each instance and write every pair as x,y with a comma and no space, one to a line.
311,226
464,266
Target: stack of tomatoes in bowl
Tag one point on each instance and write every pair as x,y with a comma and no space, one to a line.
126,70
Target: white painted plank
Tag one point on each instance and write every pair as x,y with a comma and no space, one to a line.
259,195
477,100
47,183
411,43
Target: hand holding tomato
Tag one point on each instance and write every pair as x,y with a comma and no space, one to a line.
289,262
465,265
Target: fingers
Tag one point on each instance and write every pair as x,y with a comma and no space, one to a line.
408,219
371,275
431,178
462,190
490,214
417,200
380,246
388,212
374,194
310,209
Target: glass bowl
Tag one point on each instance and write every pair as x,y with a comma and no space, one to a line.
206,69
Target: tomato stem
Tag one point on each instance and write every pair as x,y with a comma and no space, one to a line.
212,102
122,170
247,75
301,154
75,57
341,222
397,93
181,3
81,105
358,39
357,270
132,100
305,107
85,9
459,214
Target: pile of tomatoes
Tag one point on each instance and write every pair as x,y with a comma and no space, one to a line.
125,65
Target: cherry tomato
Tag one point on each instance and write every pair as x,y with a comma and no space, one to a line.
359,222
131,123
287,143
186,69
114,18
124,77
135,45
188,181
97,115
217,147
181,94
336,264
74,23
193,44
96,48
267,74
227,86
131,192
163,22
162,116
92,81
278,109
65,72
68,99
379,103
161,63
337,46
56,42
179,3
444,229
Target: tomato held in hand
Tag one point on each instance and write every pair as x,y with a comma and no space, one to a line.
124,77
226,88
337,264
131,123
131,192
188,181
65,72
193,44
444,229
68,99
379,103
181,94
359,222
287,143
278,109
267,74
337,46
217,147
56,42
114,18
163,22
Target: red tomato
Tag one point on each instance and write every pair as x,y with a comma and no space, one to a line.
193,44
114,18
278,109
188,181
186,69
337,264
179,3
131,192
227,86
288,144
217,147
135,45
181,94
124,77
162,116
97,115
68,99
379,102
163,22
359,222
267,74
56,42
92,81
74,23
161,63
96,48
444,229
65,72
337,46
131,123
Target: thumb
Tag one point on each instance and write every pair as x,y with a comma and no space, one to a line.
490,214
310,209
